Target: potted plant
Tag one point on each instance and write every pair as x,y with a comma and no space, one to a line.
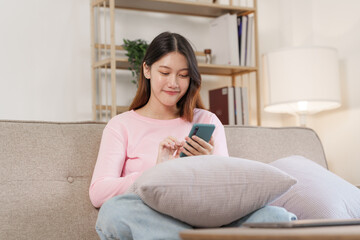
136,50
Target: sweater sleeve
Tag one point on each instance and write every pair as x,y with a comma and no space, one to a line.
106,180
220,145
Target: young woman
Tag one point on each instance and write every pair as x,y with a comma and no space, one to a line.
166,105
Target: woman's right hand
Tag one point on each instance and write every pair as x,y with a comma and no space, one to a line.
169,149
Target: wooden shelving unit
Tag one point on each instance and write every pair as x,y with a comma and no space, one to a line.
177,7
112,62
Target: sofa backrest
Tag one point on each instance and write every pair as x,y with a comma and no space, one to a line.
44,179
266,144
46,168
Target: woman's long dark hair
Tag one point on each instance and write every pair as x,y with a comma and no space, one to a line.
163,44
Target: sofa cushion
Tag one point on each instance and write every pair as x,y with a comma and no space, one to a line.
210,191
319,193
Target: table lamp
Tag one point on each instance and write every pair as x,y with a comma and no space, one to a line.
301,81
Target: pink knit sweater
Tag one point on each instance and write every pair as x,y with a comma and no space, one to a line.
129,146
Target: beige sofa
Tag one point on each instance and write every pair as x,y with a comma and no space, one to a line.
46,168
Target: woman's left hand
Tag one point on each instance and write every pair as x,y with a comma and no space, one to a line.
196,146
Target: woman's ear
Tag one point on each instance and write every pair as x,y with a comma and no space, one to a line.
146,69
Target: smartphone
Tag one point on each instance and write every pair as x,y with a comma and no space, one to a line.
203,131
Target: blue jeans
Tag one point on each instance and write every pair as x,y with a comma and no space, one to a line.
126,217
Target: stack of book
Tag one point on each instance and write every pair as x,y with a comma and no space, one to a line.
240,3
230,105
232,40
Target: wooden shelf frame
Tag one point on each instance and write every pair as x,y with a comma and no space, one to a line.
181,7
199,9
206,69
108,108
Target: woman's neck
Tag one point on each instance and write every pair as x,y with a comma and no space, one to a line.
161,113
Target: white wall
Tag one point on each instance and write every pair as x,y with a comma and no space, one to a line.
45,56
45,60
338,25
270,37
335,24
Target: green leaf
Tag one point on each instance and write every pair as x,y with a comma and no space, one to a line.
136,50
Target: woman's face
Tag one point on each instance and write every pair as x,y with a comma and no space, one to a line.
169,79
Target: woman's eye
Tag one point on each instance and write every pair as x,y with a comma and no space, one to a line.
184,76
164,73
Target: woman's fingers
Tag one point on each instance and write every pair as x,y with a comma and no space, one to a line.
206,145
194,146
211,142
197,146
168,149
186,150
170,142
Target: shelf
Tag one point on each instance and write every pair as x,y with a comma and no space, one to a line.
226,70
119,109
179,7
113,60
207,69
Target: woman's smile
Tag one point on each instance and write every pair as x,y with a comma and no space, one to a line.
172,92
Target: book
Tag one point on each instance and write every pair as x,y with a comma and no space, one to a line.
223,2
250,3
224,40
253,53
222,104
238,106
241,3
243,40
239,30
249,41
245,106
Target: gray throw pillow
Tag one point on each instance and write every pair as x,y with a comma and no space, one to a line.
210,191
319,193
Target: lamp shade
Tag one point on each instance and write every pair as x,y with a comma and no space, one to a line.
302,80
